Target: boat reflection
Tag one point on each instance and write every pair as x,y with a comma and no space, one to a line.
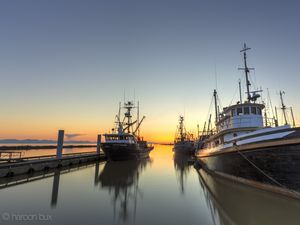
182,165
121,178
232,203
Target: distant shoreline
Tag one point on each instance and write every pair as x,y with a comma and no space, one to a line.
30,147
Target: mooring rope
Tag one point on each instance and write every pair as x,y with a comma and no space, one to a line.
260,170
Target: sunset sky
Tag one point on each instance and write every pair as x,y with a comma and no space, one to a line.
65,64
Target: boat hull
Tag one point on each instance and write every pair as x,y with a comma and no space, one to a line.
184,148
116,152
277,165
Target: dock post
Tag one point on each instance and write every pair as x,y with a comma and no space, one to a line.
60,143
98,143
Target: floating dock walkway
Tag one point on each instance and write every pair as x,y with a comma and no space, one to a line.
17,166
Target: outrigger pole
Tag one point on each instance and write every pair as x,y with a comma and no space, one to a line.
138,126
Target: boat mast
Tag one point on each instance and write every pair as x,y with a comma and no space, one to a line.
276,115
204,130
283,107
138,118
247,70
216,106
181,128
294,124
209,124
128,106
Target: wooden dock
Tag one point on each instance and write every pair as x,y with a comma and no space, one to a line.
15,164
20,166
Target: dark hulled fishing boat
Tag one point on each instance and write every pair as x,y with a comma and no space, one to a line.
183,143
125,141
244,146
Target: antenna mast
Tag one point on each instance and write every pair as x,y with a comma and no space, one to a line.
247,70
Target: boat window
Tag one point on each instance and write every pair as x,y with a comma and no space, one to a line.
246,110
253,110
233,112
239,111
258,111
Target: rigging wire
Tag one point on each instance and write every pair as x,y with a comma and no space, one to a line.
265,174
235,92
270,102
210,108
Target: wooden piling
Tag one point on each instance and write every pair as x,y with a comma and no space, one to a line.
60,143
98,143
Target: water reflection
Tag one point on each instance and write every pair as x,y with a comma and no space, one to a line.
168,192
232,203
55,188
182,165
121,179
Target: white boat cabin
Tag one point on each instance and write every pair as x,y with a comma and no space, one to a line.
120,138
241,116
237,120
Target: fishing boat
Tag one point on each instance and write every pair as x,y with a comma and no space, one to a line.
246,146
183,143
125,142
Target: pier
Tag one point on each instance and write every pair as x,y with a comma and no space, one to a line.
15,164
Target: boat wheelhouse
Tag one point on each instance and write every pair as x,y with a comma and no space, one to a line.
120,138
239,119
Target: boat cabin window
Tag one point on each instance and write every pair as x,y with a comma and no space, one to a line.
258,111
126,138
239,111
253,110
233,112
116,138
111,138
246,110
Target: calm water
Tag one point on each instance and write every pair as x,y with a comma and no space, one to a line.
162,190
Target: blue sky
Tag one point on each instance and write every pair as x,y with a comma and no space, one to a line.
65,64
